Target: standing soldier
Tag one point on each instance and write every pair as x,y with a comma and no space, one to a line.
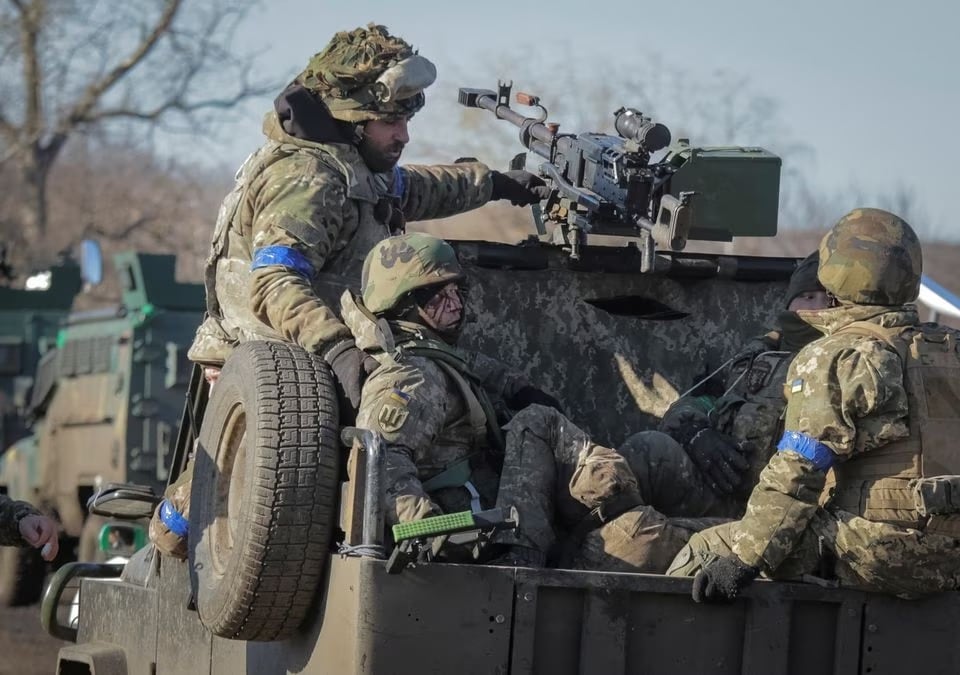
310,204
872,418
23,525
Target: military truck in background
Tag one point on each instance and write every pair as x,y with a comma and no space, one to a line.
102,404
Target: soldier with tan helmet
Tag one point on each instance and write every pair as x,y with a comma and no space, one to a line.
868,468
436,408
309,205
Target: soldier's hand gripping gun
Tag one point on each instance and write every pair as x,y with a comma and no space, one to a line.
605,184
421,540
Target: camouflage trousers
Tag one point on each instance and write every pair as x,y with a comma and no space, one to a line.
562,484
870,555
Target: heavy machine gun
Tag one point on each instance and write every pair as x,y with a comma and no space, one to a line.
609,185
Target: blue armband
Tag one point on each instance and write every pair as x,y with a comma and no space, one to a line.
809,448
173,519
284,256
399,182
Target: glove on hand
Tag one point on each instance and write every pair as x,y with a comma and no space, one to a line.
351,366
721,580
719,458
522,188
529,395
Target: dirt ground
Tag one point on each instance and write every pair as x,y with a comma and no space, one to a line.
25,648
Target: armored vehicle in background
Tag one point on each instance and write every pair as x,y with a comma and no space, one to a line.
103,407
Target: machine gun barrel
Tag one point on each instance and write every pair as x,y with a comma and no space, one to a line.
534,134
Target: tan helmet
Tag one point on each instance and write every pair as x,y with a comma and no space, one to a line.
871,257
399,265
368,74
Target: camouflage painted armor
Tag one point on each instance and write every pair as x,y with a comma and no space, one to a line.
877,403
11,512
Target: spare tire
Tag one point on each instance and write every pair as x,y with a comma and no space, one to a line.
264,493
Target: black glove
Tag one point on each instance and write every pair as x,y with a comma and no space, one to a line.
522,188
528,396
721,580
719,458
351,366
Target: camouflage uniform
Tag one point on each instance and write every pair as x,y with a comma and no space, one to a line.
868,458
678,499
11,513
304,214
432,407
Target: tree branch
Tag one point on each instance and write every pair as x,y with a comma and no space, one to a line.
30,19
88,101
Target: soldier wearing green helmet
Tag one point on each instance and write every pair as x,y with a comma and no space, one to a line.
326,186
440,410
865,482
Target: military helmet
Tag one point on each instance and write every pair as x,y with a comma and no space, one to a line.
399,265
368,74
871,257
804,278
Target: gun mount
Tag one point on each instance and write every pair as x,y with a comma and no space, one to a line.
608,185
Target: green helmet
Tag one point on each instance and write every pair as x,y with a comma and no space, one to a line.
804,278
399,265
368,74
871,257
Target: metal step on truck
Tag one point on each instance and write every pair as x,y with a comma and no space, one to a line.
290,570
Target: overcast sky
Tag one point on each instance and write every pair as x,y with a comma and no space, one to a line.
871,86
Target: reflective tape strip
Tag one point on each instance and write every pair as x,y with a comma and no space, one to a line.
809,448
283,256
173,519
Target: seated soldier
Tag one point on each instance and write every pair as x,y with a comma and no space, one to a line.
867,465
727,439
432,403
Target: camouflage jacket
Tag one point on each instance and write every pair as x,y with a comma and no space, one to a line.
750,408
10,514
425,413
323,202
847,392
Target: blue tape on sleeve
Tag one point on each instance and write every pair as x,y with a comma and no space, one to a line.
173,519
284,256
809,448
399,181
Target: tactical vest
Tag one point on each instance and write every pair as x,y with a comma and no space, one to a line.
913,482
227,268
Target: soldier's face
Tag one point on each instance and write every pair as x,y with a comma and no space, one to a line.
444,311
383,142
809,300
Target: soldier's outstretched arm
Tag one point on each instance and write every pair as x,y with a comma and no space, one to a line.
438,191
299,218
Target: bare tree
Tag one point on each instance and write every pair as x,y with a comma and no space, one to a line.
71,67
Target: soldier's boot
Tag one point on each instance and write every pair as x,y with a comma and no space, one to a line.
519,556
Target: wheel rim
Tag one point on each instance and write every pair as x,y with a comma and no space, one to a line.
231,478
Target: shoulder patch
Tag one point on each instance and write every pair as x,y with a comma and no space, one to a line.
394,411
796,386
